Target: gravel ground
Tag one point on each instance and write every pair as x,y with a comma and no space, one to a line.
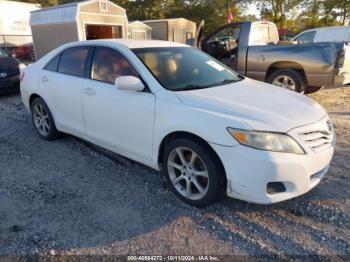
66,197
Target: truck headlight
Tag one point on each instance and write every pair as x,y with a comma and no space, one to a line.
275,142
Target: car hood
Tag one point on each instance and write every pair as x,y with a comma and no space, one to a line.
259,105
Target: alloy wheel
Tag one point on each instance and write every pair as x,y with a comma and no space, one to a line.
285,82
41,119
188,173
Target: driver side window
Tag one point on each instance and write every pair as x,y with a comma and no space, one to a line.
108,65
227,34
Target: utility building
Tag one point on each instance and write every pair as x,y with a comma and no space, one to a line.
176,30
87,20
139,31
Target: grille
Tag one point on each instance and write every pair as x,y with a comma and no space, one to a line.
275,188
317,140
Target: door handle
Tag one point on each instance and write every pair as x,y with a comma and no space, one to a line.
89,91
44,79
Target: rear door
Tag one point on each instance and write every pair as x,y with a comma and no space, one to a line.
61,81
119,120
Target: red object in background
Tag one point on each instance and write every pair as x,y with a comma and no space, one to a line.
283,31
23,52
229,16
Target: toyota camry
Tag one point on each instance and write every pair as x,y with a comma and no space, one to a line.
180,111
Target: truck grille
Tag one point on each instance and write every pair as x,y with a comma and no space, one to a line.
318,140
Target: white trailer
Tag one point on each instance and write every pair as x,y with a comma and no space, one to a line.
14,23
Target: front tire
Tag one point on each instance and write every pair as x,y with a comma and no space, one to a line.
289,79
192,172
43,120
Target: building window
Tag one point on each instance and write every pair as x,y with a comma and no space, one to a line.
103,6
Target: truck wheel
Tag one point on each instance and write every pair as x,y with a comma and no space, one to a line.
288,78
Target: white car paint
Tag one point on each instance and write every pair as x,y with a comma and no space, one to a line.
134,124
328,34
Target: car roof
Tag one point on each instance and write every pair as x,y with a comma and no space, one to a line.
133,44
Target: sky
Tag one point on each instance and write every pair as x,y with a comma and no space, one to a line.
252,10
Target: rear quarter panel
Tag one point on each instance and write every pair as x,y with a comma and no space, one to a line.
28,85
317,60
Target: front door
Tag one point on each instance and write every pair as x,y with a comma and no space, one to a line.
119,120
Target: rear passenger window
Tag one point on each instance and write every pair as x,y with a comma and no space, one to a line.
53,64
73,61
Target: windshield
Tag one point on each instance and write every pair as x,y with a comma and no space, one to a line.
185,68
3,53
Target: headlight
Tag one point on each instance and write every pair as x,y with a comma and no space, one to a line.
266,141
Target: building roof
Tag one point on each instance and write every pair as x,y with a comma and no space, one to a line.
135,23
60,13
166,20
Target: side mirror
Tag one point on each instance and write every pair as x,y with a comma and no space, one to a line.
130,83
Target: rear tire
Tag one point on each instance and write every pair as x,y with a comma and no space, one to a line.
192,172
289,79
42,120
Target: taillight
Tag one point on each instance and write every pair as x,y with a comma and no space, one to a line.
341,58
21,76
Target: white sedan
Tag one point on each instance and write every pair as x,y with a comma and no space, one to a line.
174,108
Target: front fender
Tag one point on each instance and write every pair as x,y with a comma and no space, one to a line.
174,116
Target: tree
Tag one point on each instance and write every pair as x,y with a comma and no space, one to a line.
43,3
278,10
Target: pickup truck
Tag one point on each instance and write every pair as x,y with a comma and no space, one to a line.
253,49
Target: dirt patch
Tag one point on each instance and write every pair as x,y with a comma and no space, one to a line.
64,197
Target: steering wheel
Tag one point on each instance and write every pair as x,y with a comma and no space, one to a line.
225,46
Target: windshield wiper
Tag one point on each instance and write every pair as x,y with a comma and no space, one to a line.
192,87
228,81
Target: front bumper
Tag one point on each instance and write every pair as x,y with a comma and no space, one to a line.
9,84
249,171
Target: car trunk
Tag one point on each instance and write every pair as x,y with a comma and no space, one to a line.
343,61
346,65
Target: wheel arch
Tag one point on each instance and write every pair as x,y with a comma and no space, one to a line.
285,65
32,97
198,139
